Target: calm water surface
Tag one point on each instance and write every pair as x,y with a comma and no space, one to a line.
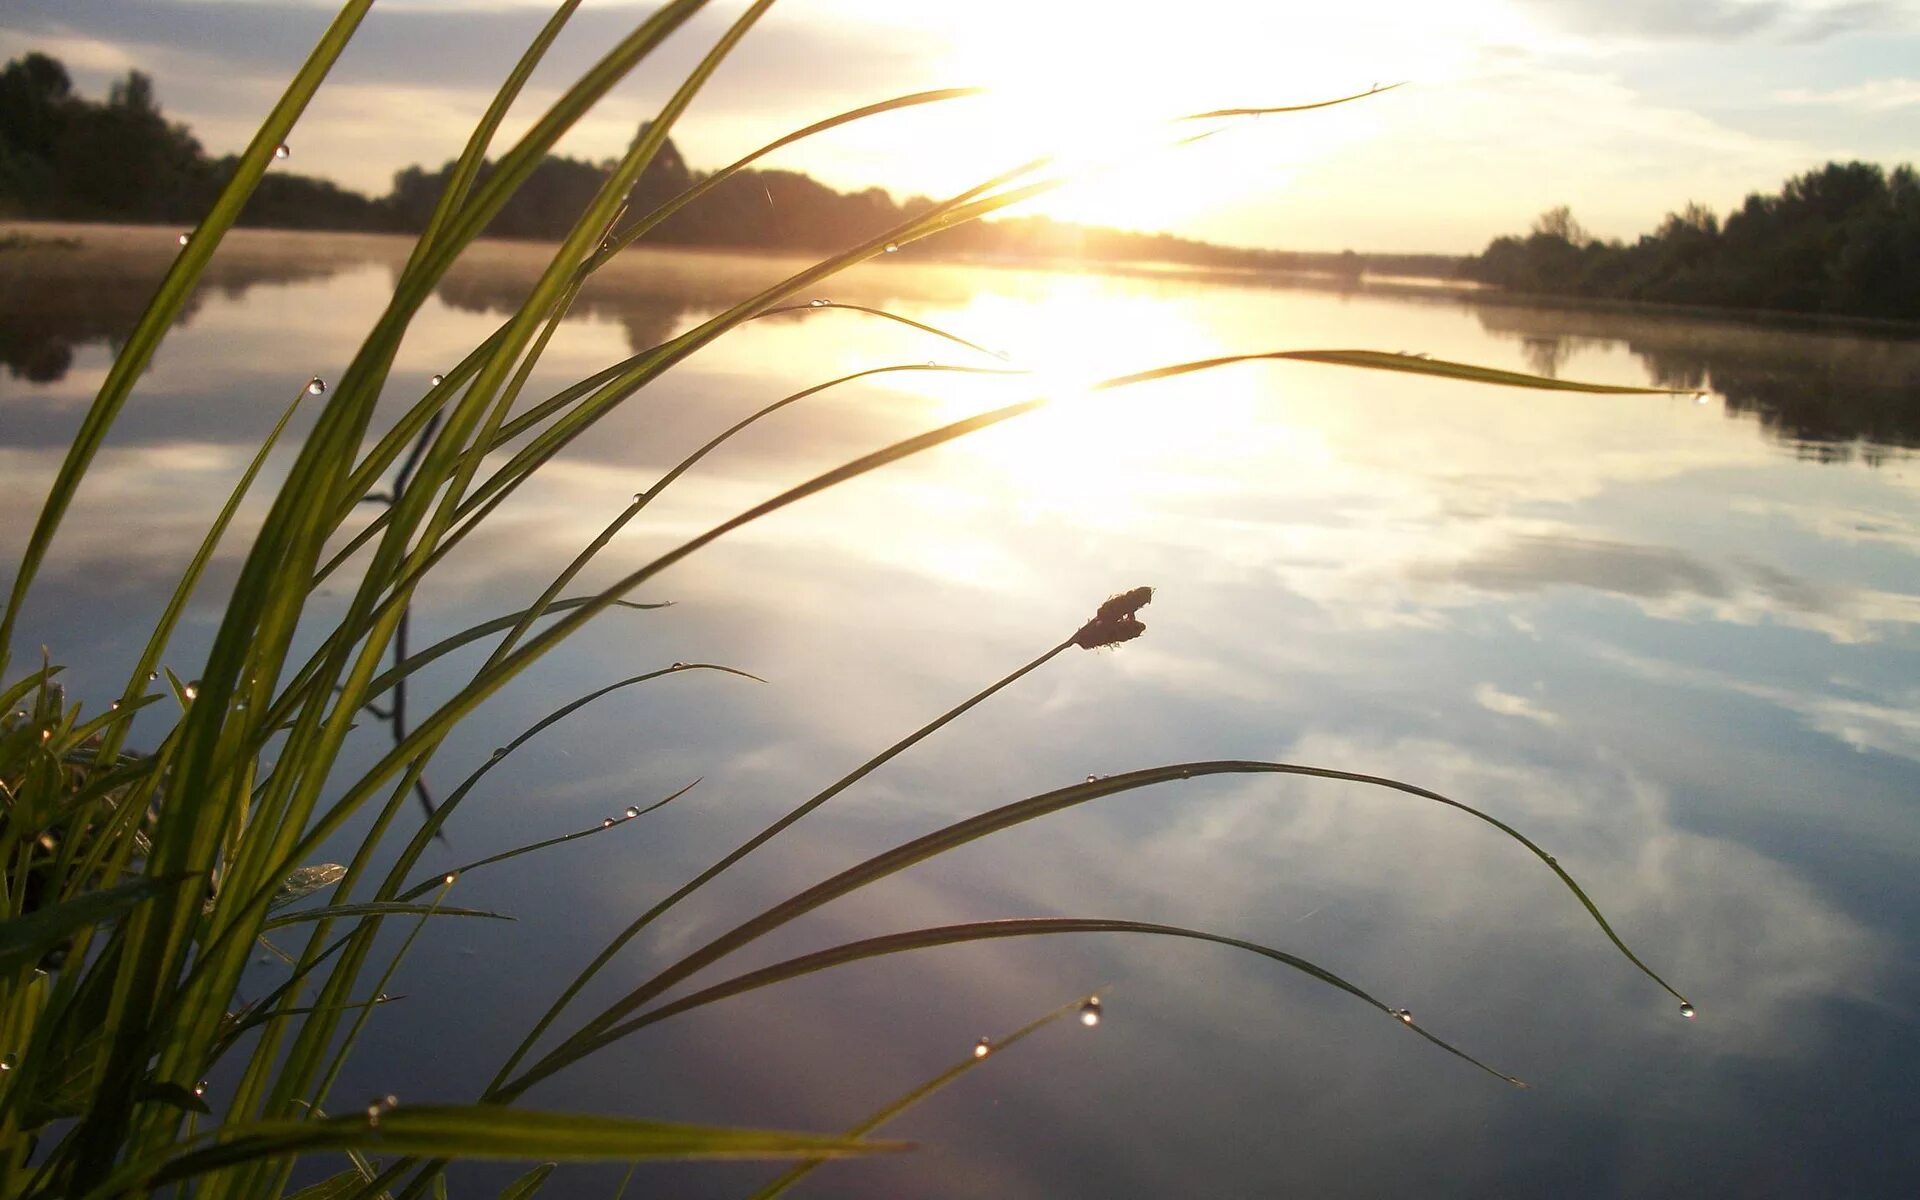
1674,641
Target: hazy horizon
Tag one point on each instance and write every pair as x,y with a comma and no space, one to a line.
1623,111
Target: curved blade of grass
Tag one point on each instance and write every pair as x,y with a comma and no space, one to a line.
384,681
813,306
374,908
422,889
263,1015
794,1174
977,931
483,1132
171,297
963,832
1308,107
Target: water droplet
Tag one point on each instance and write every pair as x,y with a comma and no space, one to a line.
200,1089
283,151
184,238
632,811
1686,1010
449,877
679,666
152,675
1090,1012
1552,860
438,380
1699,397
1405,1015
316,386
46,735
114,707
983,1047
380,1105
7,1061
191,690
1093,779
892,246
823,302
499,751
381,998
607,823
239,706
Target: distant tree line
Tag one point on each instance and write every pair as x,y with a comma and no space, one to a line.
1843,239
64,157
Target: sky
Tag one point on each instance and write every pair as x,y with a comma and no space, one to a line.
1623,109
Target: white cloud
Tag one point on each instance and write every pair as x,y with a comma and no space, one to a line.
1877,96
1507,704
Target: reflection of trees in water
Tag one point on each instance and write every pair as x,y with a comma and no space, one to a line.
648,317
55,300
1833,395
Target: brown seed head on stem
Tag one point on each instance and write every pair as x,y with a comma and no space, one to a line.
1114,622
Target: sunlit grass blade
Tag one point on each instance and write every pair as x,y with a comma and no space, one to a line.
384,681
948,935
817,306
373,908
963,832
780,1185
482,1132
606,826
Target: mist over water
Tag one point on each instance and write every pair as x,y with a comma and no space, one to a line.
1672,639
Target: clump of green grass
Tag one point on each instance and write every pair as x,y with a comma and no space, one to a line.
137,884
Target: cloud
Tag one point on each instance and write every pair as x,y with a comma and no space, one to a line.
1877,96
1672,584
1507,704
1713,20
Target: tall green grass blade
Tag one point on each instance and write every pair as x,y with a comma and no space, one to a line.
373,908
482,1132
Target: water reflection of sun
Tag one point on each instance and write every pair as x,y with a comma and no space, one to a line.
1104,456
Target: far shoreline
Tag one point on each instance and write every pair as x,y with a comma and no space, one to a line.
48,237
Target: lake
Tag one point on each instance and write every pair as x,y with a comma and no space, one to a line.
1675,639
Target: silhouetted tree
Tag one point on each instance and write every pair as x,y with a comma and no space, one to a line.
1844,239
